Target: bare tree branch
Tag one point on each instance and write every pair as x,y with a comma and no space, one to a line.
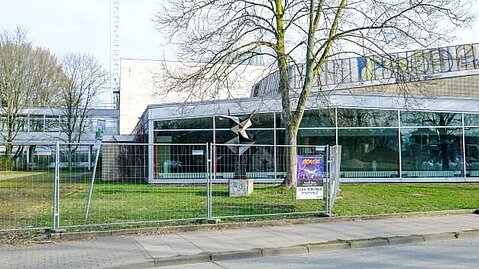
300,35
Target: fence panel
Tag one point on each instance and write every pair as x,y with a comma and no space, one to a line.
122,191
27,175
334,178
143,183
267,168
76,166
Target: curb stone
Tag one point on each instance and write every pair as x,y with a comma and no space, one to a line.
65,236
323,247
468,233
311,248
293,250
335,245
439,236
181,259
233,255
137,265
373,242
397,240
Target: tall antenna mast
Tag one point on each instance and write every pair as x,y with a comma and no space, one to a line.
115,51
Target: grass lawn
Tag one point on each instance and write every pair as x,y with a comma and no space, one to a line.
26,200
368,199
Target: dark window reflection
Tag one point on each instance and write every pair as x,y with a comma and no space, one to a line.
415,118
431,152
369,152
198,123
182,137
318,118
36,123
472,151
258,161
367,118
471,119
190,160
317,137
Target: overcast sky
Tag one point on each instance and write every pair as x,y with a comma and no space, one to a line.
84,26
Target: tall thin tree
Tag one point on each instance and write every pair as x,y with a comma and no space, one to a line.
83,80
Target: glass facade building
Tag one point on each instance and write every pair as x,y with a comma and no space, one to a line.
377,143
406,116
382,138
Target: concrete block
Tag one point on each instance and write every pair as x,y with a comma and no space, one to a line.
182,259
240,187
233,255
369,243
468,234
294,250
439,236
328,247
397,240
136,265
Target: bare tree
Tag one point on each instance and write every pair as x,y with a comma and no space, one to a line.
28,78
302,35
82,83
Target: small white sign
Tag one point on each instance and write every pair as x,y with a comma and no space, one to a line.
303,193
197,152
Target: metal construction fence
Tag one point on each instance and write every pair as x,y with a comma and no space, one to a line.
80,186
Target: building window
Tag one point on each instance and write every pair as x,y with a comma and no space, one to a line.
416,118
367,118
472,151
52,124
36,123
198,123
369,153
432,152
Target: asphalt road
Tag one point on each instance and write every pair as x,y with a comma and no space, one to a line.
460,253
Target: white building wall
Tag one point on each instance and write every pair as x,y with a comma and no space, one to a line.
140,80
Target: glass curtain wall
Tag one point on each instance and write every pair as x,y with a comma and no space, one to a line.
369,140
387,144
471,142
431,144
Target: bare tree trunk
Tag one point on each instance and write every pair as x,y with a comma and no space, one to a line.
70,153
8,149
9,137
291,136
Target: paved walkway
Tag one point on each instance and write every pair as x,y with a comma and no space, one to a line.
199,246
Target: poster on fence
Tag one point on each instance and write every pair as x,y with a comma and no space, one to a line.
310,174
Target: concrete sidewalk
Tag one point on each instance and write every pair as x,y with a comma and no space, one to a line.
215,245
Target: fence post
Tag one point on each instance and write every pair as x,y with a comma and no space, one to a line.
56,190
209,170
328,191
92,182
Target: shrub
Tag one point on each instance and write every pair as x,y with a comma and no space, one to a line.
5,163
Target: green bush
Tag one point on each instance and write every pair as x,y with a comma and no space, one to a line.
5,163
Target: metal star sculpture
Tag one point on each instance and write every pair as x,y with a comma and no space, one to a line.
239,127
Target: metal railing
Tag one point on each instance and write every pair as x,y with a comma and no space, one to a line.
62,186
